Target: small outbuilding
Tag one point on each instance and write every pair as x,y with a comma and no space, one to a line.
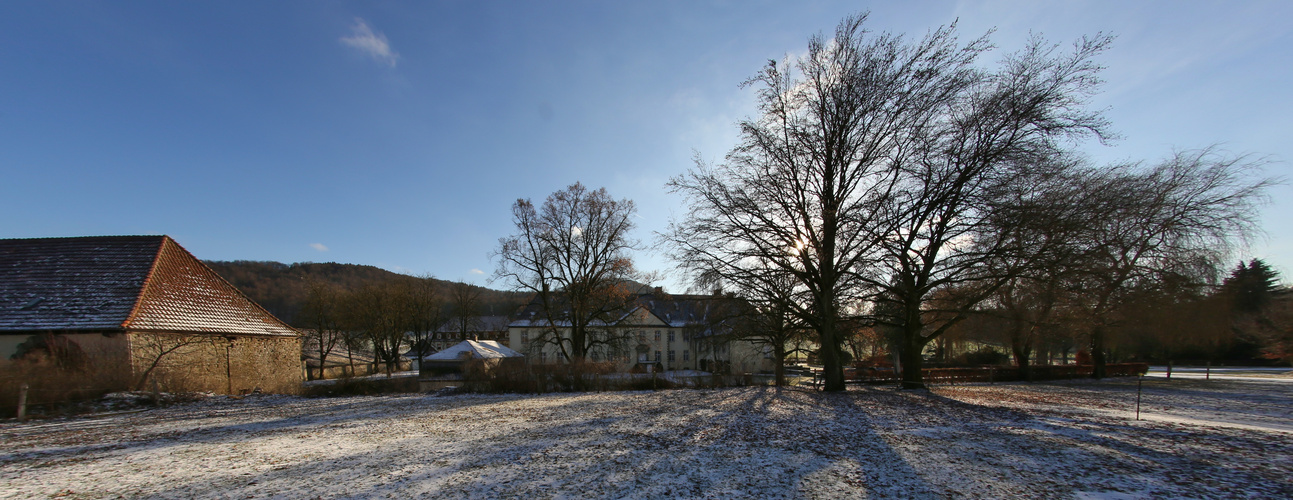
451,358
445,368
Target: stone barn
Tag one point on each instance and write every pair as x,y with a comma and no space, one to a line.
140,311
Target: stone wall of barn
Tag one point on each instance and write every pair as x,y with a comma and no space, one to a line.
104,350
215,363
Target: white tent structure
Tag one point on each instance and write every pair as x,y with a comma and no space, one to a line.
473,349
487,355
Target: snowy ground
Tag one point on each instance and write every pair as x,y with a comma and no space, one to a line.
1074,439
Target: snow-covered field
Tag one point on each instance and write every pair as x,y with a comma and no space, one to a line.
1199,439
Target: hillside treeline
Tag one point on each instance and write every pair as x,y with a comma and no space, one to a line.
282,288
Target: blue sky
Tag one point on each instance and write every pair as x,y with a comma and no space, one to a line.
398,134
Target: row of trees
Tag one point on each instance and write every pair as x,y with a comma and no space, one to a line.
1174,319
899,184
282,288
387,318
895,192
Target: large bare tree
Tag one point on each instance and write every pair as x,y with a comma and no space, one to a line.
875,172
573,254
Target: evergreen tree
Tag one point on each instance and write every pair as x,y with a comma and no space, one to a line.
1250,285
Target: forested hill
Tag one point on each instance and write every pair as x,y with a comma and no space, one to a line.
281,288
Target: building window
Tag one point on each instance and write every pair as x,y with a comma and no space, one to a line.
671,356
686,355
686,336
657,356
525,335
642,357
657,335
543,357
671,335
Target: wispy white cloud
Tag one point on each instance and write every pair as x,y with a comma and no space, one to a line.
319,246
477,271
372,43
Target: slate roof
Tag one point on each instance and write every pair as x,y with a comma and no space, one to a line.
677,311
477,324
107,283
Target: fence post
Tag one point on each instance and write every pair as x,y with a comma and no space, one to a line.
22,402
1139,379
1207,375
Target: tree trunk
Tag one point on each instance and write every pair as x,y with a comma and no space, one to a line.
578,334
832,368
1097,353
913,345
1022,347
912,364
323,357
779,354
1022,356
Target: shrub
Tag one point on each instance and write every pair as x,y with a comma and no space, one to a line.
517,377
983,356
348,386
53,390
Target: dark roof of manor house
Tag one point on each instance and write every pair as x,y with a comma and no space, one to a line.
476,324
675,310
117,283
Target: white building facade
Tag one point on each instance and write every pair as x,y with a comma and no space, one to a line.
655,332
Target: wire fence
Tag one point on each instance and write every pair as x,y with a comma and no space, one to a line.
998,373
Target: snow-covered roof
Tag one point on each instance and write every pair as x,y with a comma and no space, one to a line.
476,349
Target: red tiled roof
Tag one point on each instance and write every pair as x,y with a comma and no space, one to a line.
121,282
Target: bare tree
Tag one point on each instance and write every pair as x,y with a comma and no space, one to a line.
874,173
380,313
573,254
425,312
1028,304
774,325
968,202
465,301
1028,307
321,314
762,311
814,176
1178,218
